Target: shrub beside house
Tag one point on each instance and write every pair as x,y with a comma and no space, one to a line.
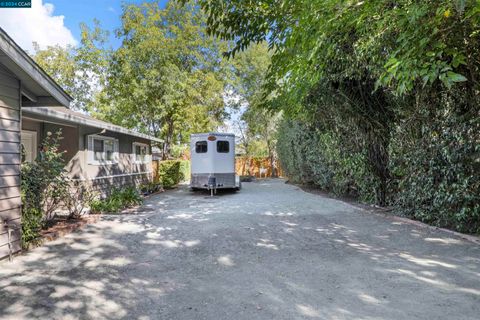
93,155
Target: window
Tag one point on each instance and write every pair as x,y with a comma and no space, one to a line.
223,147
140,152
201,147
102,150
28,145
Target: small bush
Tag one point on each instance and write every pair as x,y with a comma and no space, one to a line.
150,187
78,199
32,224
172,172
118,200
44,186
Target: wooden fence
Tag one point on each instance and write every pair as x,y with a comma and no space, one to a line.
243,165
155,163
251,166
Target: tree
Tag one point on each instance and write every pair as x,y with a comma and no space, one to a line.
356,59
167,78
81,70
257,125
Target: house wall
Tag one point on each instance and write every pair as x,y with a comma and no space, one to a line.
31,125
10,203
101,178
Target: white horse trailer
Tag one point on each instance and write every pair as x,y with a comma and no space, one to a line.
213,162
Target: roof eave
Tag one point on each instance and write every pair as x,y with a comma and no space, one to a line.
24,62
52,114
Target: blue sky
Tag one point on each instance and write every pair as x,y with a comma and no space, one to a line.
56,22
107,11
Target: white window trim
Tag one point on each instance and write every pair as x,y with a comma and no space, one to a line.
147,156
90,154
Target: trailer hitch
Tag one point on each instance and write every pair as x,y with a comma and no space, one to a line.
212,185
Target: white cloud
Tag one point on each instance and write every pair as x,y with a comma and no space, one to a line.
38,24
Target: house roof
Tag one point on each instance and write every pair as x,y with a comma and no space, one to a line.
37,87
63,114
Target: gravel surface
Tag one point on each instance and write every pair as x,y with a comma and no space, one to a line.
270,251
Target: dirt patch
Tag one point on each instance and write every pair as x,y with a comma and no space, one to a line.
350,200
270,251
62,227
386,212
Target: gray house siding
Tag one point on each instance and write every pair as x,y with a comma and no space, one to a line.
10,203
101,178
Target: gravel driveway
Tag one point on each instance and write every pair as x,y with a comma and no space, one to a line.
270,251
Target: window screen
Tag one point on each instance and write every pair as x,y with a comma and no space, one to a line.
109,149
140,153
223,147
102,150
201,147
98,149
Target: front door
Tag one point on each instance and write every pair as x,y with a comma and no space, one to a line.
29,146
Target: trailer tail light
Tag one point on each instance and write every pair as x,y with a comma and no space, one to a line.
212,138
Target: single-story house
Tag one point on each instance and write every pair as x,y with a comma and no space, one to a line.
31,104
22,84
98,154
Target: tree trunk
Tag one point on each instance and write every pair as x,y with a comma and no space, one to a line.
271,156
168,140
378,158
374,117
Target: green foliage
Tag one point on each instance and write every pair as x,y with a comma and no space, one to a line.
78,199
172,172
437,173
81,70
380,98
309,156
118,200
32,224
179,151
167,78
150,187
44,185
256,126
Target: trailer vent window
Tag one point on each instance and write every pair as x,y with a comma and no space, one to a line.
201,147
223,147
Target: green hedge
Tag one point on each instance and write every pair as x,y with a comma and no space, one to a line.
172,172
434,174
310,156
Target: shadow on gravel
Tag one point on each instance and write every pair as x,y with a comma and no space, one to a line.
280,263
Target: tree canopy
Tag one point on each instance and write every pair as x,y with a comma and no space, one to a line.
79,70
372,99
167,78
380,97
